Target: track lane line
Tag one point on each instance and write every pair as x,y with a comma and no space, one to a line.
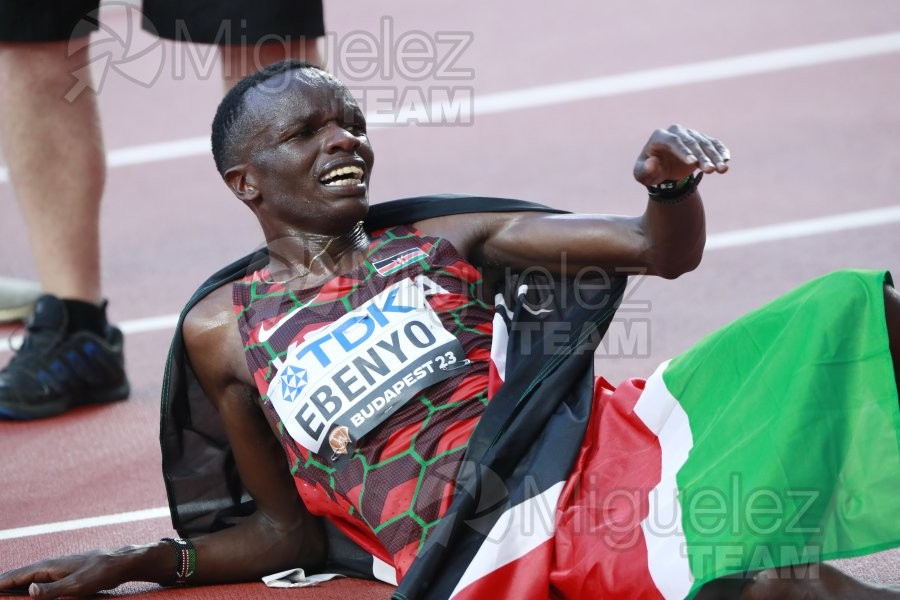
804,228
696,72
717,241
572,91
86,523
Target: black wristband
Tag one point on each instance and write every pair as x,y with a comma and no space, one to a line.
671,191
187,559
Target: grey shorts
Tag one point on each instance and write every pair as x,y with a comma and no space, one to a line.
224,22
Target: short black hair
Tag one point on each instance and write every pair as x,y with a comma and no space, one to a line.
232,108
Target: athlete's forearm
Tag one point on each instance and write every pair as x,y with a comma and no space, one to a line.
675,235
256,547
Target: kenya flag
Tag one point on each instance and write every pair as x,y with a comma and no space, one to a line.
778,439
773,441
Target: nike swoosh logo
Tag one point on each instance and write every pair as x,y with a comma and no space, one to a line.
265,334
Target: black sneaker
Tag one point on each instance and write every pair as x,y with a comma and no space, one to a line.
54,371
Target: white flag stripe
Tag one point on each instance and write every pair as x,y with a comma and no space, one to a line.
500,338
517,532
666,550
499,344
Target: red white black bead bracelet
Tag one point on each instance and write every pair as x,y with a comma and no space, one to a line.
187,558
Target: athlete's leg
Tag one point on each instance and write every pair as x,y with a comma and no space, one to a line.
809,582
820,582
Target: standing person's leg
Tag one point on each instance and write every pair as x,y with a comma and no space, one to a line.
21,66
54,150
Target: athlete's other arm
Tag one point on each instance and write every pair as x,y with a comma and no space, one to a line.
280,535
667,240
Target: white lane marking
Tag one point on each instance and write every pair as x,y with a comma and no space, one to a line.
114,519
149,153
599,87
716,241
698,72
796,229
160,323
137,155
149,324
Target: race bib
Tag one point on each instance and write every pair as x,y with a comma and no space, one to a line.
346,378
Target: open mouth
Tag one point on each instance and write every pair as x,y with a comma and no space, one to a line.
343,176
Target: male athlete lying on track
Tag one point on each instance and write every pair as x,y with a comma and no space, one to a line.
370,361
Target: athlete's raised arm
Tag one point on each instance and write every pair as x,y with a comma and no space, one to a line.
667,240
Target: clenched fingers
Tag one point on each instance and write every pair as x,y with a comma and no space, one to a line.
676,152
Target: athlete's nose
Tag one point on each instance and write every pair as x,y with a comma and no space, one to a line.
338,138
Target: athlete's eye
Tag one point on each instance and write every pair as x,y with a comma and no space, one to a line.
356,128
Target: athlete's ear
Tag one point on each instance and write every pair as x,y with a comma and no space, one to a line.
242,181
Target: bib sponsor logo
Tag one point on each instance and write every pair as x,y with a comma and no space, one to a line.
394,263
292,382
346,378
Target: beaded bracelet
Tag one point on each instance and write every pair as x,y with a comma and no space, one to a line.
187,560
672,192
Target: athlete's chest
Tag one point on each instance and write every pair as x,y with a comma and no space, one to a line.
347,356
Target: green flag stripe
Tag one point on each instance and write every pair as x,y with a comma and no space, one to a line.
794,415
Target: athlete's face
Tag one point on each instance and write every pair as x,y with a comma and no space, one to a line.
310,156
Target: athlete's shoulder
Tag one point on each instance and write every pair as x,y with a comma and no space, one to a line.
211,337
214,312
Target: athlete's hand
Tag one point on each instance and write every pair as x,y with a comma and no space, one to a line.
78,575
677,152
